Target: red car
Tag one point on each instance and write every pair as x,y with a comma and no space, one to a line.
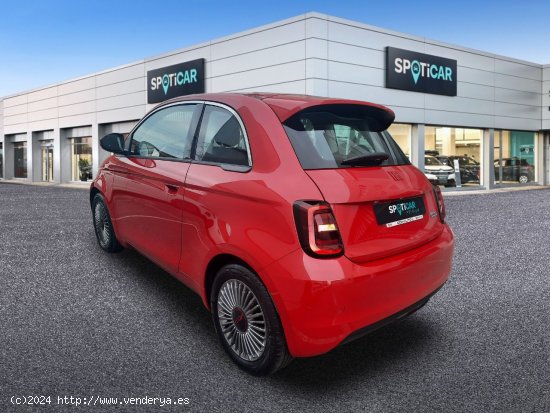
297,219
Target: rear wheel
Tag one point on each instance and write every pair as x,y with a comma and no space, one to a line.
104,231
246,321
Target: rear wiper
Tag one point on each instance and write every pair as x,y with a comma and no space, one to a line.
371,159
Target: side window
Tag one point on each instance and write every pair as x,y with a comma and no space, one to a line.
165,134
221,138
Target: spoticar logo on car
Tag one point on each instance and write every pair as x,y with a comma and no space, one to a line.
409,207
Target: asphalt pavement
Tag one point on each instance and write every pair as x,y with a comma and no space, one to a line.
75,321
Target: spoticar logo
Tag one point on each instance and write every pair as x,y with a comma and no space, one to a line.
423,69
409,207
176,80
419,72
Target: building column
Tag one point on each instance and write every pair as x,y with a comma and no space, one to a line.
418,132
30,156
57,164
95,149
539,158
488,159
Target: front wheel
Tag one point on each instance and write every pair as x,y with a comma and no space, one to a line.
247,322
104,231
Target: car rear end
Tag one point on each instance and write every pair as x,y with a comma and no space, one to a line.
375,245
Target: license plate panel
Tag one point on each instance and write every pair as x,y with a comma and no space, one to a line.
399,212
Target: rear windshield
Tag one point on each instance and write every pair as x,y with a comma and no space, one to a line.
324,139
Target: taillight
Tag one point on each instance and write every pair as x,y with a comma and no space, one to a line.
440,203
317,229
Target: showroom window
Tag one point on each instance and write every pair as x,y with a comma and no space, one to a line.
81,158
401,133
456,144
20,159
514,157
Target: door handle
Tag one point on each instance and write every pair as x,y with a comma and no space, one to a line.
172,189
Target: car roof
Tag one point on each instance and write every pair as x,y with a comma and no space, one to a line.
287,105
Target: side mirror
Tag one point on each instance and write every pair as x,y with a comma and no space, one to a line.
113,142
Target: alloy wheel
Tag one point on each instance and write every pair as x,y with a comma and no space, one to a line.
102,224
242,320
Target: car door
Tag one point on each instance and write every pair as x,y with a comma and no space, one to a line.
157,164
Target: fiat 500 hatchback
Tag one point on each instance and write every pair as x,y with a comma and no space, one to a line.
297,219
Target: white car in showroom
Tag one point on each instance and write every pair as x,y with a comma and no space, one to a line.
437,172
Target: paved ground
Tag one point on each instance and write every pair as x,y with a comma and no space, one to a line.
76,321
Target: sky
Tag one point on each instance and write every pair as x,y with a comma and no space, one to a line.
48,41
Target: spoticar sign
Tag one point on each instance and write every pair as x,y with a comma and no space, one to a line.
419,72
176,80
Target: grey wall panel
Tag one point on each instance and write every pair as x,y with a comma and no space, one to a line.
46,114
263,39
345,72
76,97
77,109
260,77
178,57
389,97
408,115
317,87
43,124
366,37
508,123
122,88
74,86
519,97
16,100
297,86
15,119
356,55
316,48
472,120
475,76
518,111
117,115
317,26
261,58
47,93
464,58
517,83
120,75
77,120
42,104
122,101
518,70
459,104
15,110
469,90
316,68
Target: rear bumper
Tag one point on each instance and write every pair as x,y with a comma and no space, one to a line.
323,303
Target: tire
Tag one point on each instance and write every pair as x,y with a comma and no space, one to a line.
523,179
103,226
240,305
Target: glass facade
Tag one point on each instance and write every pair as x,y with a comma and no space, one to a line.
401,133
47,161
81,158
20,160
514,157
462,145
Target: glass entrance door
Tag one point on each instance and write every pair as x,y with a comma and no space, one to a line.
47,163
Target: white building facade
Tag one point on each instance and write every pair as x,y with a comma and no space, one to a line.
501,110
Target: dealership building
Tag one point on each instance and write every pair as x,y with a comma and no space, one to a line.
448,100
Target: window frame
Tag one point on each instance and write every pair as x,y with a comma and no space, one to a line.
225,166
195,121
